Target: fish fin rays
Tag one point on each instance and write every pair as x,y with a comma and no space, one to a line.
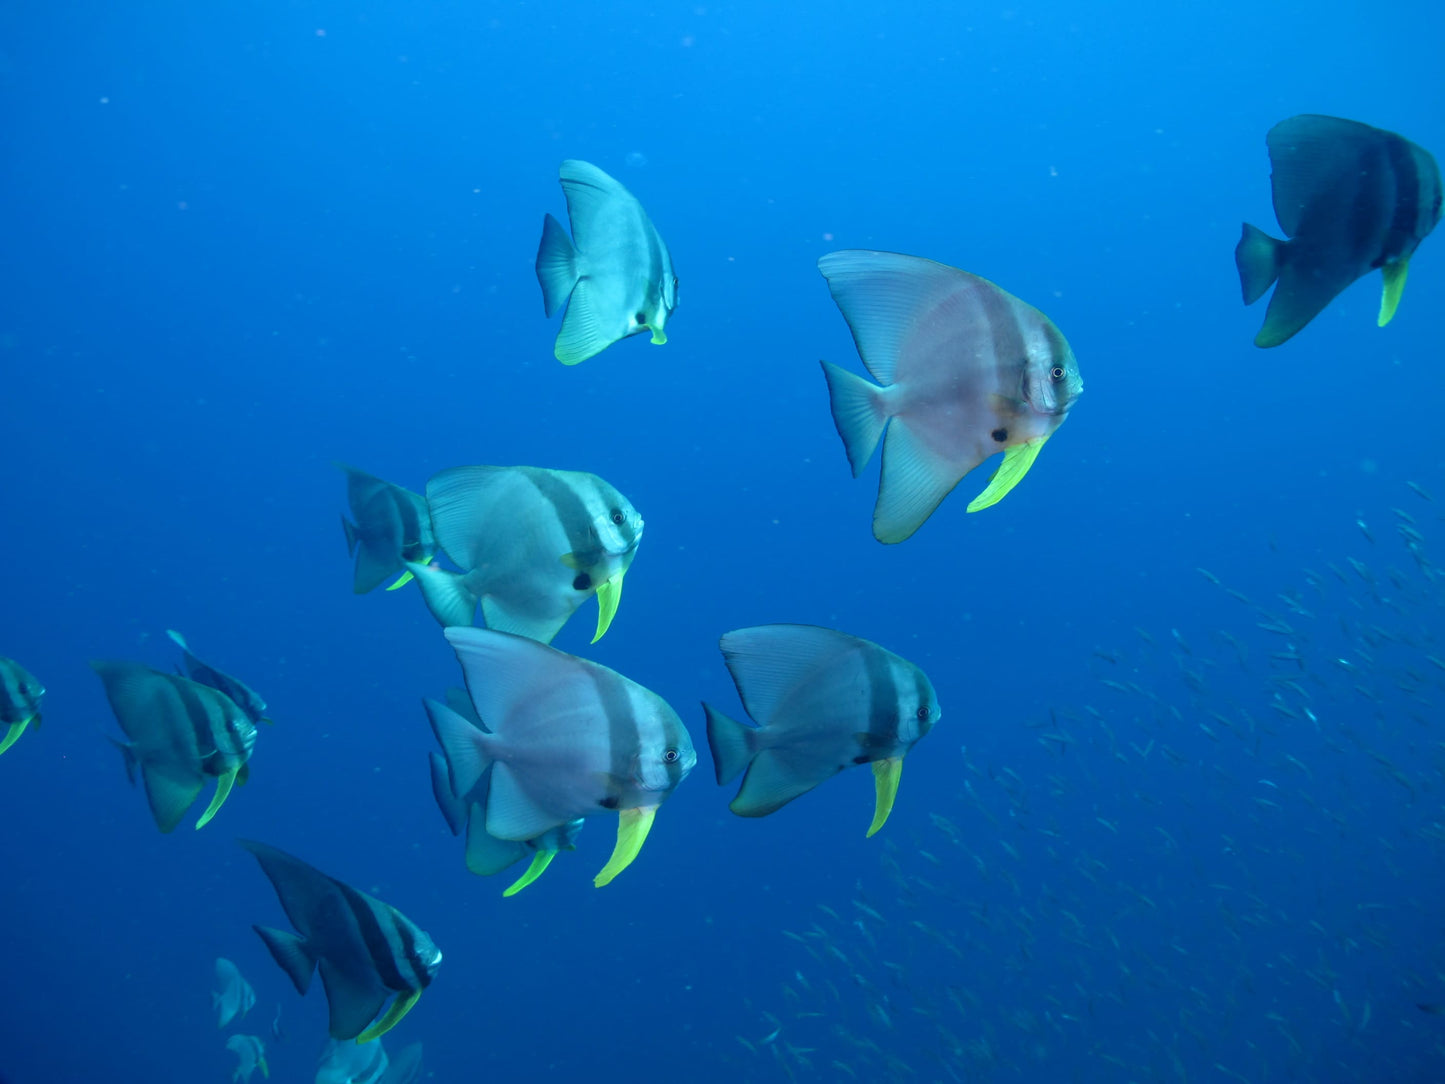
486,854
882,296
1394,274
769,662
771,783
731,742
170,789
447,594
1258,257
1016,463
556,265
590,192
353,1001
583,334
913,482
512,814
1308,155
1297,299
859,413
292,955
501,619
461,744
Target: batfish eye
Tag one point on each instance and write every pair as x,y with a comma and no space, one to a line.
923,713
670,757
617,516
1056,373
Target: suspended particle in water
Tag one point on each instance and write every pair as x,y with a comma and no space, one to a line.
636,159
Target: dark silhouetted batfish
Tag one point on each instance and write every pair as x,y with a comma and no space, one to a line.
366,950
392,527
1351,199
20,697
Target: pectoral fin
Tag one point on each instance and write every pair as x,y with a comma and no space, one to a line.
1016,463
223,790
399,1008
885,781
1394,274
609,594
539,865
632,828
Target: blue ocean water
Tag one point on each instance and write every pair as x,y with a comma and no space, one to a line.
247,240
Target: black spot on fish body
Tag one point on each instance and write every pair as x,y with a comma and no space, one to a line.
862,758
1000,434
640,319
583,582
610,802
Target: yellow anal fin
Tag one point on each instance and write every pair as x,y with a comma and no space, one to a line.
609,594
13,734
399,1008
632,828
223,790
540,861
1394,274
406,577
886,773
1016,463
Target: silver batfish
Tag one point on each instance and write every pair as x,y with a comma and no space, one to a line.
966,369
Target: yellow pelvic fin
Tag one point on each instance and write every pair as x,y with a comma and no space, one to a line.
13,735
632,828
265,1070
659,337
609,594
540,861
223,790
1016,463
406,577
1394,274
399,1008
885,783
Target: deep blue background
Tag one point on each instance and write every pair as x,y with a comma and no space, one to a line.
244,240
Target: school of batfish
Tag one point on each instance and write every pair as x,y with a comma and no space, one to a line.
540,740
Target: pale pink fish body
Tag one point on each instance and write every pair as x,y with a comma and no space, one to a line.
966,370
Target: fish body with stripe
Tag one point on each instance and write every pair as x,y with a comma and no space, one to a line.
235,996
180,735
485,853
614,273
823,701
251,1055
240,694
561,739
533,544
965,370
20,696
393,526
1350,199
366,950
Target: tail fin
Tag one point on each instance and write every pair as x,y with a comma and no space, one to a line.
352,538
1258,257
461,744
127,752
731,743
291,954
556,265
858,413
